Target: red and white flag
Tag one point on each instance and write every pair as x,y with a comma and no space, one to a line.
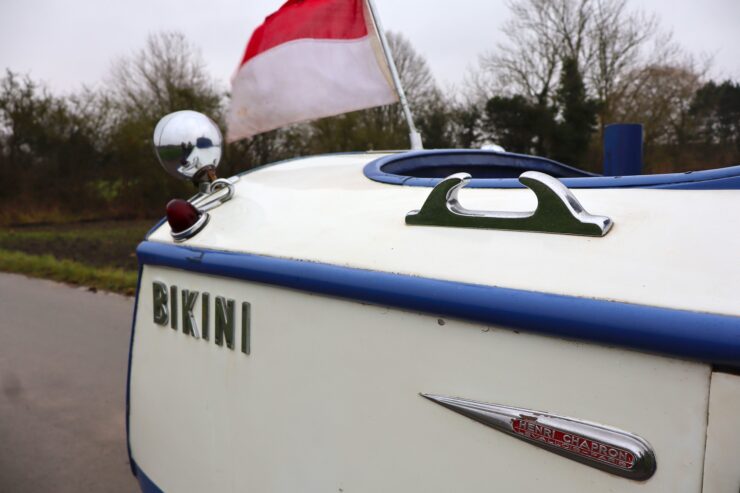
310,59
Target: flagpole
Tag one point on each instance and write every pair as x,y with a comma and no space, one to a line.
414,135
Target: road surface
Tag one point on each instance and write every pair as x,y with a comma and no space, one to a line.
63,357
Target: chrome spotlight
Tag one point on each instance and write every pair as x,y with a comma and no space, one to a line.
188,145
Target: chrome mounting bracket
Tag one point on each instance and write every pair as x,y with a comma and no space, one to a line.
558,211
212,195
215,194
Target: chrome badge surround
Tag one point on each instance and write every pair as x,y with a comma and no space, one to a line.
609,449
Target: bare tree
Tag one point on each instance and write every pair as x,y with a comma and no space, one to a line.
619,42
168,74
608,41
413,70
419,84
660,96
540,35
385,127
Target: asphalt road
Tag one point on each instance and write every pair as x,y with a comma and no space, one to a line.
63,357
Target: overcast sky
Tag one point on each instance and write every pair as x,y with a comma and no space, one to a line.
67,43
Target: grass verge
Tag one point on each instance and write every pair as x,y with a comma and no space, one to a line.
69,271
109,244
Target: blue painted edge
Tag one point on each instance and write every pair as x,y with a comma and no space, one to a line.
145,483
709,338
155,227
128,371
715,179
728,183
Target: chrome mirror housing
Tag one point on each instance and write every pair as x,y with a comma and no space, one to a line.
188,145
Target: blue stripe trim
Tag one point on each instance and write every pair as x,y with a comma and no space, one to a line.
155,227
128,373
145,483
698,336
726,183
378,170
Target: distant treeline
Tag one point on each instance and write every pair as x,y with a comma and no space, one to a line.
567,69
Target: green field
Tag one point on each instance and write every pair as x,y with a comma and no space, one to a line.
99,255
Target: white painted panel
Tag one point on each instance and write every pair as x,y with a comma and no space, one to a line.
668,248
328,401
722,461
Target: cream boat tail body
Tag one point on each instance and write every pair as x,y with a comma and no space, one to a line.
287,344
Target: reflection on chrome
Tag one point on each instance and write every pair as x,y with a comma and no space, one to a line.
188,145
